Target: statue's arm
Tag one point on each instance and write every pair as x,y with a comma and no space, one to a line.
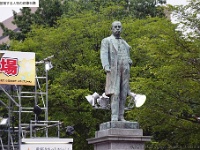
128,51
104,54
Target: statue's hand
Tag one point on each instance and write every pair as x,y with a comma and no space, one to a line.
107,69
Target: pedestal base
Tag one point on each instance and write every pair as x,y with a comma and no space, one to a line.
117,135
119,124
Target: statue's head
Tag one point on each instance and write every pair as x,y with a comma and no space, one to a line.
116,28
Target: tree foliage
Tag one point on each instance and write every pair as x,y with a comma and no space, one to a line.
144,8
166,69
51,10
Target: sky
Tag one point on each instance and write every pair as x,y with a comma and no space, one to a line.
177,2
6,12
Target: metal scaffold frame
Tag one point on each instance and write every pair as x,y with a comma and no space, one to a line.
18,104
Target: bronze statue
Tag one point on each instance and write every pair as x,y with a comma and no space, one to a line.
115,58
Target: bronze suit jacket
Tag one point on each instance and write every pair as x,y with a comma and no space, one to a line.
108,54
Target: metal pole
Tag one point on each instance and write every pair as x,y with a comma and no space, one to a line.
31,129
19,127
9,96
36,101
46,115
35,93
9,116
1,143
59,129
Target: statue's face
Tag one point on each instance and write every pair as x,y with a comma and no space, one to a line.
116,28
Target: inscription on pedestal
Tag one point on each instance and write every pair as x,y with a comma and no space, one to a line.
137,146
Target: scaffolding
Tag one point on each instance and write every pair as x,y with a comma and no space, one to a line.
27,111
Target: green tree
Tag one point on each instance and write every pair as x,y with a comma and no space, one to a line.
134,8
166,70
145,8
4,46
48,12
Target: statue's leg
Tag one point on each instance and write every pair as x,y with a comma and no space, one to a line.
114,107
115,100
123,95
124,88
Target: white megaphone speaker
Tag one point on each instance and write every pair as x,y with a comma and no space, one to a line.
92,98
139,99
103,101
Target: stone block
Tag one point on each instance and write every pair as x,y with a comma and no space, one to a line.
118,131
119,124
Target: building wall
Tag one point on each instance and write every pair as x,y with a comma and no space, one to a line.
8,23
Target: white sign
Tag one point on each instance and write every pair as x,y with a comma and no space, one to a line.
17,68
19,3
46,147
47,144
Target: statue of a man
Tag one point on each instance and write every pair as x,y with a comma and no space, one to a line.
115,58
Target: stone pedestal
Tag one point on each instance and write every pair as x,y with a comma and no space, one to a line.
118,135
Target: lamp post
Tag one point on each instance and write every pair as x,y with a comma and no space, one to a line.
48,66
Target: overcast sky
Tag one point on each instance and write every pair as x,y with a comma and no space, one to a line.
6,12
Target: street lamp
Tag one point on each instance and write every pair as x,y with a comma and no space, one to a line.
48,65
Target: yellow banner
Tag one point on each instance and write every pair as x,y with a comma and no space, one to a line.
17,68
